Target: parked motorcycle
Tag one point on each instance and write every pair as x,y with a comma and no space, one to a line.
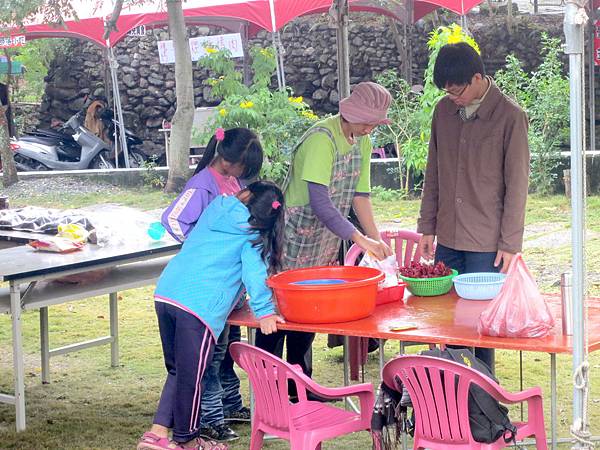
58,150
134,143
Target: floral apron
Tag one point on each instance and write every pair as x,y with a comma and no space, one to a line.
307,241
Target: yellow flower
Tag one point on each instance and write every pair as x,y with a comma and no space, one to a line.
453,39
295,99
246,105
265,52
223,112
309,115
210,50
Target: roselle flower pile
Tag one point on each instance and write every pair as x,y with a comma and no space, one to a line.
418,270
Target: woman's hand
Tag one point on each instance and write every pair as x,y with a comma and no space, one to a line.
379,249
268,324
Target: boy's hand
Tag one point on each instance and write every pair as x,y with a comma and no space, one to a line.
268,324
426,246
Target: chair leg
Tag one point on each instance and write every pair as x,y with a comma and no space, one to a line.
535,416
540,442
256,439
304,442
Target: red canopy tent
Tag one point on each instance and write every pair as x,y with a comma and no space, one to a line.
270,15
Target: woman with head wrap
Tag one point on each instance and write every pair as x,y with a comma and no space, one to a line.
329,174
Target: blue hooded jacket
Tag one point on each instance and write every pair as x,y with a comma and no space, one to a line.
214,261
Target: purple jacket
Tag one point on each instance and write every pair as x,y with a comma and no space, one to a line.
181,215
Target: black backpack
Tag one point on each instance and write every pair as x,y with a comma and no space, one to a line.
488,418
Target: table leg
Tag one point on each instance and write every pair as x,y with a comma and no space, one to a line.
381,355
251,333
346,367
45,344
553,412
114,329
19,369
521,380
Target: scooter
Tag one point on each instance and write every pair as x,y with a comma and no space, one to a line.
58,150
48,151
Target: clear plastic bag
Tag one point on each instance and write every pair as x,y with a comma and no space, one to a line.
389,267
519,310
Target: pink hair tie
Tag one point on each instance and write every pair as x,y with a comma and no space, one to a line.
219,134
275,204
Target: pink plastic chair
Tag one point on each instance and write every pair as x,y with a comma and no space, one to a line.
307,423
439,390
405,244
379,152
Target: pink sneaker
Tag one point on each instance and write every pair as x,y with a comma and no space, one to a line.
151,441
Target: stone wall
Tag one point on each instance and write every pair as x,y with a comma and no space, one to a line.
148,88
26,116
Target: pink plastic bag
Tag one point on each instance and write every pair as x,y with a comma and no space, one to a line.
519,310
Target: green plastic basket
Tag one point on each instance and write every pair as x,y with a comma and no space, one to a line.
428,287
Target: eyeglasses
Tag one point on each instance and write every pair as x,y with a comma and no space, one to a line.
457,94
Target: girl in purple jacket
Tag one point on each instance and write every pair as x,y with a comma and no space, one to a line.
230,157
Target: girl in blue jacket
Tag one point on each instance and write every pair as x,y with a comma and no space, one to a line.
237,240
231,157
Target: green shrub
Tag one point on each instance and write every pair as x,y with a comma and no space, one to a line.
150,176
276,116
387,195
545,97
411,112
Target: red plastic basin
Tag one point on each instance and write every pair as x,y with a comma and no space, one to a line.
390,294
328,303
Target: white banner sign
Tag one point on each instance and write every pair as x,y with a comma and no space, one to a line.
137,31
12,41
198,45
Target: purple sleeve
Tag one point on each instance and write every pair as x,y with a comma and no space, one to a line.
328,214
181,215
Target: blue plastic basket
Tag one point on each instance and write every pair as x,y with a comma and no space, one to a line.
479,285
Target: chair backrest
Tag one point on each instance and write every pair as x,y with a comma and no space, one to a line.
404,243
268,376
380,152
439,392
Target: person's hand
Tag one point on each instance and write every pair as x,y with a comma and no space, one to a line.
426,246
268,324
378,249
503,260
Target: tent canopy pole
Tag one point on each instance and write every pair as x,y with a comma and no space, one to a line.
113,64
343,51
574,23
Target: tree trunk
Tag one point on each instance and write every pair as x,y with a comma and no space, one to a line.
181,127
9,170
403,47
509,16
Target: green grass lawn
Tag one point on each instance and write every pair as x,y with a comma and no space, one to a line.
89,405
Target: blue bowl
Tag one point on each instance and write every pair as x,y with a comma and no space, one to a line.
320,281
156,231
479,285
